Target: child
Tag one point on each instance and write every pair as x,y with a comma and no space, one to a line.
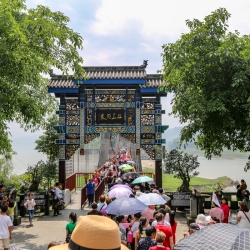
30,204
11,208
70,226
5,225
160,237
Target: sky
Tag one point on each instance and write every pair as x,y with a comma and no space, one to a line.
126,32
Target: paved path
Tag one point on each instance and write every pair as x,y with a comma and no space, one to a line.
52,228
46,228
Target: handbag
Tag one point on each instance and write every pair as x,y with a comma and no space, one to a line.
246,216
68,238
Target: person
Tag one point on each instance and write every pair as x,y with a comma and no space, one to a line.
168,242
212,220
11,209
148,241
166,219
121,220
52,244
2,188
57,197
70,226
101,204
217,212
102,174
140,233
160,237
173,224
95,180
164,196
5,228
134,225
109,177
192,228
201,221
149,212
90,191
239,193
243,216
94,210
94,232
224,206
242,187
30,204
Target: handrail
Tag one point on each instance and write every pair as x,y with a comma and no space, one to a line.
71,182
99,190
83,196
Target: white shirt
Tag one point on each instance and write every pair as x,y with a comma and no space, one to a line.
166,223
135,227
244,221
58,193
5,223
30,204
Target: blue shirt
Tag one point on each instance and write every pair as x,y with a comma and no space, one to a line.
146,243
90,188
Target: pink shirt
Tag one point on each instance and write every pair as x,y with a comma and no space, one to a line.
148,213
218,213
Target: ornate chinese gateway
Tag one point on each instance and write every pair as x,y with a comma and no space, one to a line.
112,100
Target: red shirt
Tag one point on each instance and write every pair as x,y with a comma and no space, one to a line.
225,209
166,230
173,231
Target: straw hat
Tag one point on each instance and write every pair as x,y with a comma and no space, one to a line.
94,232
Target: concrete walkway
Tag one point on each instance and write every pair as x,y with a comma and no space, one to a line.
46,228
52,228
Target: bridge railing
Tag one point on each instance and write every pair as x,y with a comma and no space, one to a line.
84,196
99,191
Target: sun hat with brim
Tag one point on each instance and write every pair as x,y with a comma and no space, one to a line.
94,232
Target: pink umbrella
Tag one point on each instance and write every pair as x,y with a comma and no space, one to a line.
119,192
120,186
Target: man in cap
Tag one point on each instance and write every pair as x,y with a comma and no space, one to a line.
192,228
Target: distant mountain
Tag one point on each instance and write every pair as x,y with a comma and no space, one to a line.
172,133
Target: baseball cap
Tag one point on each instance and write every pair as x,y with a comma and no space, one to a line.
194,226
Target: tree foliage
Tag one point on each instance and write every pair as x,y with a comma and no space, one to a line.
182,165
32,41
208,71
41,175
46,142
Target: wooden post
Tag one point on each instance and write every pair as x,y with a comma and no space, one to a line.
158,173
62,173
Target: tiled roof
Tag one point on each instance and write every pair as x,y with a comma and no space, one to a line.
111,72
153,81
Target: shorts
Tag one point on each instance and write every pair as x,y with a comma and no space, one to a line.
5,242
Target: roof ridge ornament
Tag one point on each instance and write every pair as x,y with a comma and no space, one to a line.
145,64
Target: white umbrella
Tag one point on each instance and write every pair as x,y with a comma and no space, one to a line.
151,199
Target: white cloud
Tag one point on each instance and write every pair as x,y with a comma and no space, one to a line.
160,19
100,57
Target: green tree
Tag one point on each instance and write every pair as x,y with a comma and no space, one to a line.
46,142
7,176
50,173
208,72
32,42
183,167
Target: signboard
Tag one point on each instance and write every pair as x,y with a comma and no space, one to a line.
181,199
105,116
38,197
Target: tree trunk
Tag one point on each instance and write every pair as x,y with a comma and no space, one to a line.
184,186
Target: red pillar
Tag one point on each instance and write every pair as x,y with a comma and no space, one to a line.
158,173
62,173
